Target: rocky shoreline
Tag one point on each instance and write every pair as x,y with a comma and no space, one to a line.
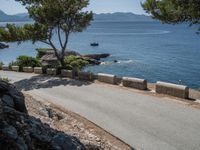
2,46
48,56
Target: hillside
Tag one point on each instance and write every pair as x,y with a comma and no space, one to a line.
12,18
97,17
121,17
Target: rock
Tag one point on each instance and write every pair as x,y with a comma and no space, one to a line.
20,131
21,145
10,132
8,101
49,58
3,86
62,141
97,56
2,46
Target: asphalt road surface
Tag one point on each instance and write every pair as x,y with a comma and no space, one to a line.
144,121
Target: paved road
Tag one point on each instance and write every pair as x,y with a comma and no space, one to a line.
145,122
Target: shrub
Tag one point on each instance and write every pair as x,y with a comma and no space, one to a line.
1,65
73,62
5,79
26,61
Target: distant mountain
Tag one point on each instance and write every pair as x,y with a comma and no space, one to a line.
13,18
108,17
121,17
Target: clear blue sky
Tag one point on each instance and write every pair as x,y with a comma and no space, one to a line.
97,6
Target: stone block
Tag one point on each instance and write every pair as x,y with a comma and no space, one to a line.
136,83
179,91
15,68
67,73
5,68
107,78
28,69
85,76
52,71
38,70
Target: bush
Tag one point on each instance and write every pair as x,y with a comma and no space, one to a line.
26,61
5,79
73,62
1,65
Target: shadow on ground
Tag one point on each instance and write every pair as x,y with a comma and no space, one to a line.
38,82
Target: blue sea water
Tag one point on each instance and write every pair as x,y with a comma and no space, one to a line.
147,50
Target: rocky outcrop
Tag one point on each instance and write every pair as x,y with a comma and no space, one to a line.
2,46
20,131
49,58
97,56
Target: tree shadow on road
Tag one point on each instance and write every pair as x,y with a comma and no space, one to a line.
38,82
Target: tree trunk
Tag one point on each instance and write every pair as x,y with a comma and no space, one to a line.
62,63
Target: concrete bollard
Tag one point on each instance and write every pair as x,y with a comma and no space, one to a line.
52,71
67,73
136,83
85,76
5,68
179,91
38,70
15,68
28,69
107,78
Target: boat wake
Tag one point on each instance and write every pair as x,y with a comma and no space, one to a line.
133,33
117,62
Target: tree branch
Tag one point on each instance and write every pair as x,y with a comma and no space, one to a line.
59,37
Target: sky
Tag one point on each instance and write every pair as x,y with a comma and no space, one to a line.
97,6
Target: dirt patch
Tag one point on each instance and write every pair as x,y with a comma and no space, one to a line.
92,136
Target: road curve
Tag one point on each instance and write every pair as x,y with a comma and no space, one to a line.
143,121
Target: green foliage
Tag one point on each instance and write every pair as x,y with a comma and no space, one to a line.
5,79
26,61
73,62
174,11
34,32
52,17
1,65
42,51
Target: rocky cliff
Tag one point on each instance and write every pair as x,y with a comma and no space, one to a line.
19,131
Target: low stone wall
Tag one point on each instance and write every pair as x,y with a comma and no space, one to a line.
85,76
160,88
5,68
15,68
136,83
38,70
52,71
67,73
172,89
28,69
107,78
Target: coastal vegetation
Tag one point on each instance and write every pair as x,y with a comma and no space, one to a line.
174,11
51,18
73,62
26,61
1,65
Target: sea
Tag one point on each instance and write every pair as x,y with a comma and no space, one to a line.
149,50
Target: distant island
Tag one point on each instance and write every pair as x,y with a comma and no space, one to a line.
13,18
108,17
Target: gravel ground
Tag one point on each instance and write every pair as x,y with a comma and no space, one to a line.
92,136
